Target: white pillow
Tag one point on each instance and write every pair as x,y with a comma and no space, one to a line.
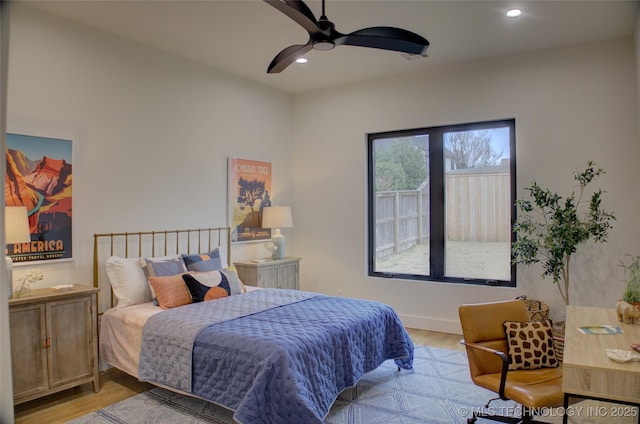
128,281
223,256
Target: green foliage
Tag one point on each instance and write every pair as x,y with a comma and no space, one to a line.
400,167
631,293
550,228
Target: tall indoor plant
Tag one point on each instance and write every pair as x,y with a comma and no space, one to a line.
549,228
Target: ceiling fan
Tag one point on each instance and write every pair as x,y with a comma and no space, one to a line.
323,36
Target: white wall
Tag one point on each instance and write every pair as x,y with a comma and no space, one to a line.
152,132
570,105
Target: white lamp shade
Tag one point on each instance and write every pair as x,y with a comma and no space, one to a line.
277,217
16,225
16,230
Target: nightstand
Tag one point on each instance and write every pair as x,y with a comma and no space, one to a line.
271,273
54,341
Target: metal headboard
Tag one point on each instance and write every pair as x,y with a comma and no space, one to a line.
149,244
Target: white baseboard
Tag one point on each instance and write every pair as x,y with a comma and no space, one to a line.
431,324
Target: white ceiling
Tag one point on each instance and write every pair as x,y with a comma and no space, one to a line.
242,36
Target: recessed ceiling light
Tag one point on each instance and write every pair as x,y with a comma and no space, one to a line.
301,60
512,13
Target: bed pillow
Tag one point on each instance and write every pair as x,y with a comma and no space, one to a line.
203,262
530,345
215,278
128,281
162,266
171,291
198,285
237,286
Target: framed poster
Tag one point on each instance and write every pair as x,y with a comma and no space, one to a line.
40,176
249,192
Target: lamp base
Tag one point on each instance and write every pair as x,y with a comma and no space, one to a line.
278,240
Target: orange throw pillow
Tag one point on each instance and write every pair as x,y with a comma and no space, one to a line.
171,291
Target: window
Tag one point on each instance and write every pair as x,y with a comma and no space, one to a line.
441,203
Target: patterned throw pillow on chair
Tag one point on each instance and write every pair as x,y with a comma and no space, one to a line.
530,345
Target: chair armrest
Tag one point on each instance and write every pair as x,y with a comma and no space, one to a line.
505,363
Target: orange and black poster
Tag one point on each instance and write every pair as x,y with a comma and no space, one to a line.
39,176
249,192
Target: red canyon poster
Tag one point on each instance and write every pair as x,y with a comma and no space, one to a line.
39,176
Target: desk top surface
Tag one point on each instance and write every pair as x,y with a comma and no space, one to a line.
590,350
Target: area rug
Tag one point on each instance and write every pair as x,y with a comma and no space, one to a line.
438,390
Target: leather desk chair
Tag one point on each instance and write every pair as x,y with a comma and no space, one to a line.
486,345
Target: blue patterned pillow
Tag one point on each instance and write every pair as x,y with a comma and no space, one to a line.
163,266
204,262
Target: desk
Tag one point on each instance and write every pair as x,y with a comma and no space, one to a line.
587,371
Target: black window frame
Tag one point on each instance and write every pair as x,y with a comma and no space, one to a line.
437,200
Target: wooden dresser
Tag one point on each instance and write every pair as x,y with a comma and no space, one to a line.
53,341
271,273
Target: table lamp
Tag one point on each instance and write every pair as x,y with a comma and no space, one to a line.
277,217
16,230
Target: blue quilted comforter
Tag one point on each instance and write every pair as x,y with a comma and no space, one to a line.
285,362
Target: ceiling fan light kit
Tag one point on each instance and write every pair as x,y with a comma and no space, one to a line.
324,37
323,46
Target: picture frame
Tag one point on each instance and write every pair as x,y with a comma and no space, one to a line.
249,189
39,175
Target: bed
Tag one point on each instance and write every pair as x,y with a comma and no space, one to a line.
270,355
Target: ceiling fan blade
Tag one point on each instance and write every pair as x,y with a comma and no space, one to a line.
286,57
299,12
387,38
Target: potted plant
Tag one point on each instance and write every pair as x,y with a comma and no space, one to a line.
549,228
631,293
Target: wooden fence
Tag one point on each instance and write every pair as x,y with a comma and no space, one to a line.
478,208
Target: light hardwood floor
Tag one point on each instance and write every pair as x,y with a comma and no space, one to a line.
116,386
